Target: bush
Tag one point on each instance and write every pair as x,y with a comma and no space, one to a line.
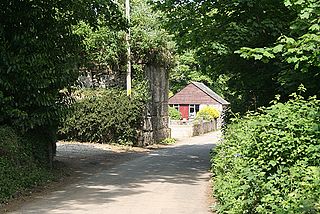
174,114
41,143
104,116
19,168
208,113
269,162
168,141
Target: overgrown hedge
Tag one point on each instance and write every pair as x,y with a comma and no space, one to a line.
174,114
22,162
104,116
269,162
208,113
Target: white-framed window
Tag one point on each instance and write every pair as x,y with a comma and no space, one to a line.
193,109
176,106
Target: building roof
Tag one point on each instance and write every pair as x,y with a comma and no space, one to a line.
197,93
211,93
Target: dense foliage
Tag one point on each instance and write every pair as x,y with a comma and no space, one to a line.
39,58
105,116
106,49
39,54
217,29
185,70
168,141
208,113
20,169
174,114
269,162
297,51
150,42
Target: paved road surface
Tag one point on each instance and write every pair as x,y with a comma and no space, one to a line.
169,181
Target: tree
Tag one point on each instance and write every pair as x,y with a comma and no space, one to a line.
186,69
39,59
151,42
298,51
105,47
216,29
39,55
104,54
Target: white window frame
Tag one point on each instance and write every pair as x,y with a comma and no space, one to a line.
194,106
176,106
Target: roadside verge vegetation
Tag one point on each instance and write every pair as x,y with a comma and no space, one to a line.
269,162
40,56
22,162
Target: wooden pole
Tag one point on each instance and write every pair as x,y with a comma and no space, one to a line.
127,5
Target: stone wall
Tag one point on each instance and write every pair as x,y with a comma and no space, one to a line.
156,124
183,129
202,127
102,78
156,119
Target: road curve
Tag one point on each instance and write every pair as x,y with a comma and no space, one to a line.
168,181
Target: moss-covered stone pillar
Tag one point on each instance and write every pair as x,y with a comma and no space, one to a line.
156,126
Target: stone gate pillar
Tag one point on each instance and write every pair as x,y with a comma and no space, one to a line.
156,126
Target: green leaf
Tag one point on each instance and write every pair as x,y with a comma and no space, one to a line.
278,48
315,27
269,55
257,56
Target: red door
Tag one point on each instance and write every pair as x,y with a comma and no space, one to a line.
184,109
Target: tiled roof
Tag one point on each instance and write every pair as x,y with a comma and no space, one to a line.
211,93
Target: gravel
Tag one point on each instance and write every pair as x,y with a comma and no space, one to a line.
80,150
90,157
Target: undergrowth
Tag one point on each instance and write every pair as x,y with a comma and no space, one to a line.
269,162
20,167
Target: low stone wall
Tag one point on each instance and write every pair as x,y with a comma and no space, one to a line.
202,127
181,131
185,129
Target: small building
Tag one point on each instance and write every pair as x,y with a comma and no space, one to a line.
195,96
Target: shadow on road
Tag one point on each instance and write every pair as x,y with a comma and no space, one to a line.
184,164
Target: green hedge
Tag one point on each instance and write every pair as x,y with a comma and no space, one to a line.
21,162
269,162
104,116
174,114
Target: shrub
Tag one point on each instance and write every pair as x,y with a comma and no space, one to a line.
208,113
168,141
41,143
104,116
19,167
269,162
174,114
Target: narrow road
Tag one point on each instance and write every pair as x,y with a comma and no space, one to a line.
167,181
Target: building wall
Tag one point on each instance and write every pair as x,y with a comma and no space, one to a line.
100,77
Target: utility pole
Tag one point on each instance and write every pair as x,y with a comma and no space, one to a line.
127,5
